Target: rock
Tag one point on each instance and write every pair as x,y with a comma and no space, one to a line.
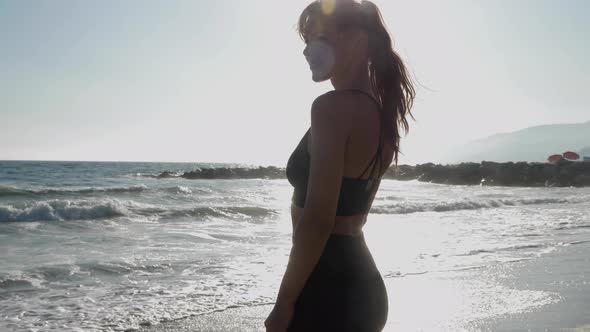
521,173
488,173
582,180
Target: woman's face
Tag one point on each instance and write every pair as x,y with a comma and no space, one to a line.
327,51
320,51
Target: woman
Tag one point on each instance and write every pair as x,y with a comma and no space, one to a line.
331,282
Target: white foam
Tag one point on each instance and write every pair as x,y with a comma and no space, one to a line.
63,210
405,207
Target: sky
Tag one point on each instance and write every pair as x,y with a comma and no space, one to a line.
226,81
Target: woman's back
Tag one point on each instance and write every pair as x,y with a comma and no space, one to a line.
367,157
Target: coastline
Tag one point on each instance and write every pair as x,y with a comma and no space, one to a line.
246,319
564,274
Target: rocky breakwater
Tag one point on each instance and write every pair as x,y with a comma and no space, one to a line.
270,172
564,173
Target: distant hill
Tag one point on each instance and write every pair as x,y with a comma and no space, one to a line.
529,144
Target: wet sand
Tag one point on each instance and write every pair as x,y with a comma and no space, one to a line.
562,276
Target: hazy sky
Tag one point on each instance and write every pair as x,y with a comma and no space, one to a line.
225,81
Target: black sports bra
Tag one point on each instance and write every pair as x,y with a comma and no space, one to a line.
354,192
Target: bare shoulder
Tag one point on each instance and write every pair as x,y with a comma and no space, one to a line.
332,111
338,101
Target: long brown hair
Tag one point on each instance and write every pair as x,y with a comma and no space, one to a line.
390,81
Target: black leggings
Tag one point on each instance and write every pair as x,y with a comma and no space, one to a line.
345,291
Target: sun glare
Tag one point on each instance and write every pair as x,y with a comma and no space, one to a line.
328,6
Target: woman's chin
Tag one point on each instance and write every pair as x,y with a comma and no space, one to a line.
316,77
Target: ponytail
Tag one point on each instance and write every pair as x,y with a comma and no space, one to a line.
388,76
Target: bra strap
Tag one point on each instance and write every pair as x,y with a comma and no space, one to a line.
370,162
372,181
363,92
378,153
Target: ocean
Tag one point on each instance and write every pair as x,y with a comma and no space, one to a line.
106,246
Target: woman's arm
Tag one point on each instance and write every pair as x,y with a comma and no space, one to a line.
329,132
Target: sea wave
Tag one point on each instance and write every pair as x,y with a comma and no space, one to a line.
14,191
62,210
36,277
59,210
567,226
222,212
469,204
20,281
11,284
528,246
508,248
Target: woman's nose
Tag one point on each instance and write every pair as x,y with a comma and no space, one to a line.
306,50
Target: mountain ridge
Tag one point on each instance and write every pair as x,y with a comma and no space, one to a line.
531,144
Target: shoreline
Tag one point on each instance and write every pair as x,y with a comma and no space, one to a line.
566,273
562,273
243,318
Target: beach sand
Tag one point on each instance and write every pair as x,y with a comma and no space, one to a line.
247,319
566,273
484,299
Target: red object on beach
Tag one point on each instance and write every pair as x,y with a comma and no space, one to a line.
571,155
555,158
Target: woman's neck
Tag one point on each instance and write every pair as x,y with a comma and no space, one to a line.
354,79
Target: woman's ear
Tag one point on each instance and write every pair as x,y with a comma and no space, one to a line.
356,41
345,38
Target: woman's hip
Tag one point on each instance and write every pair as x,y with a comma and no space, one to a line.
345,291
